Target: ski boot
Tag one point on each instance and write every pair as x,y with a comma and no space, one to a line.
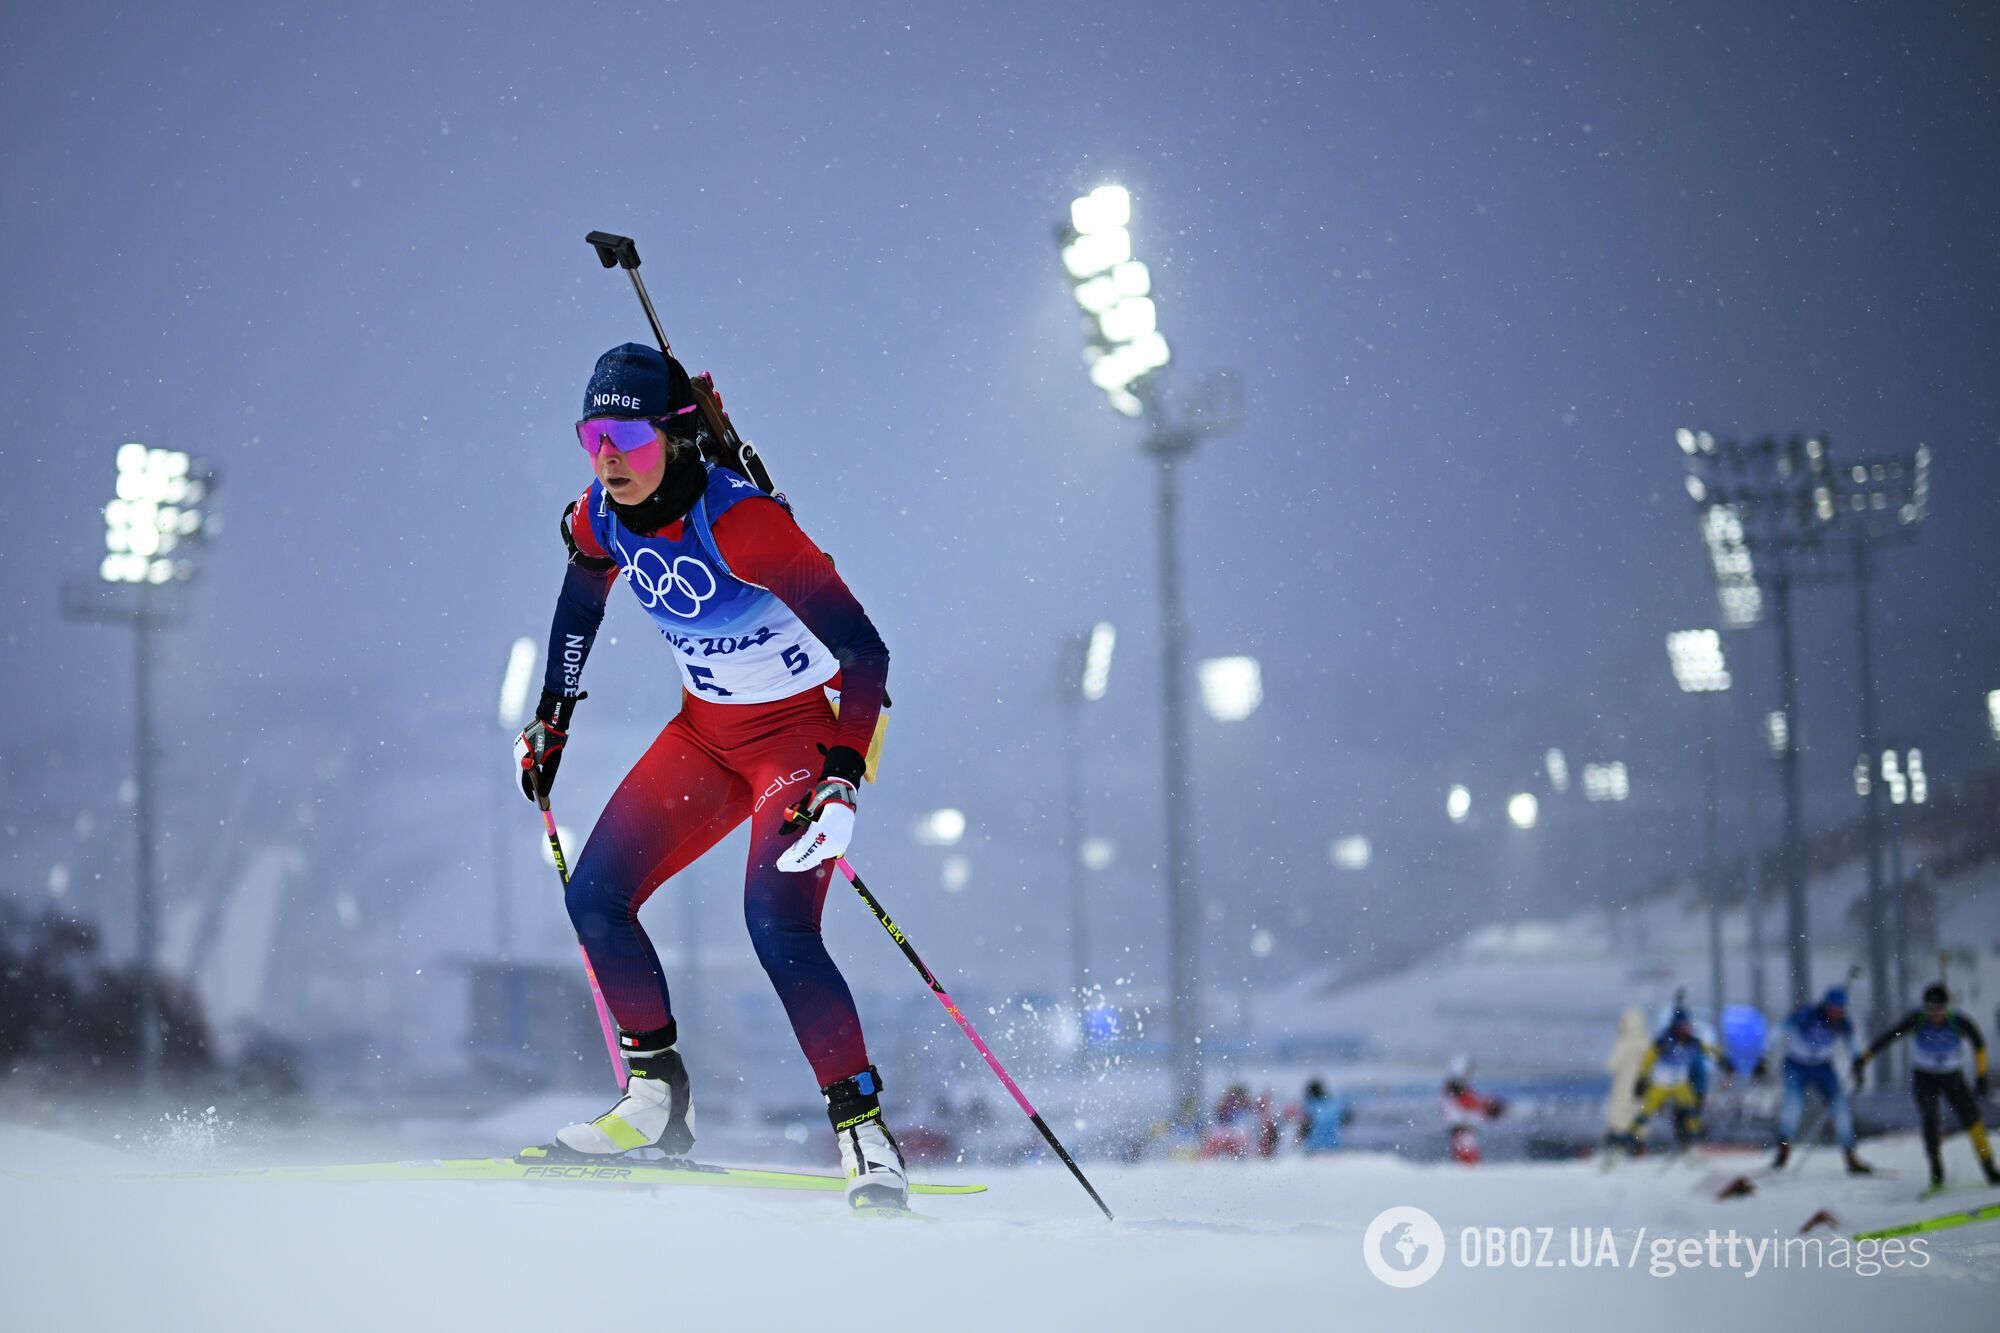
1626,1143
1855,1166
876,1176
1784,1155
656,1111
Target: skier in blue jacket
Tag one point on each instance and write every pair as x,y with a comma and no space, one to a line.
1807,1040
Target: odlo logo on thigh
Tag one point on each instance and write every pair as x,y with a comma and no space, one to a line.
778,785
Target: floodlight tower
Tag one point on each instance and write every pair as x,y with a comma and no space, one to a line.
156,519
1700,668
513,715
1875,502
1773,504
1759,515
1903,772
1124,349
1086,674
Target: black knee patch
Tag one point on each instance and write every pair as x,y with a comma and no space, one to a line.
855,1100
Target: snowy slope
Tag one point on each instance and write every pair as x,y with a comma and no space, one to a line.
1211,1246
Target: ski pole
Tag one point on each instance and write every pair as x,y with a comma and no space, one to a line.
596,994
965,1026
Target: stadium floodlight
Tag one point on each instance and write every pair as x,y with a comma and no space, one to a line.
514,684
1086,674
1351,852
1993,713
1458,803
1777,732
955,873
1893,779
1105,208
1097,853
1735,573
157,515
1874,503
1557,766
1231,687
1697,659
156,511
1097,660
1767,508
1700,668
1523,809
1115,292
1606,782
941,828
1863,781
1903,776
1123,349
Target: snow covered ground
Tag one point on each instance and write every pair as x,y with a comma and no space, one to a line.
1219,1245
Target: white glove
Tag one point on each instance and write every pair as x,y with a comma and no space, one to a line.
828,817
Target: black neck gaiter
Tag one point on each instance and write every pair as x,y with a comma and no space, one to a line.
680,486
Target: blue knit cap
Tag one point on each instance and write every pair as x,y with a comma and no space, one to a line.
1836,997
633,380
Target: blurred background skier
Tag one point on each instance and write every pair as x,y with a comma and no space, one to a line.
1939,1036
1322,1116
1807,1039
1674,1073
1464,1108
1243,1127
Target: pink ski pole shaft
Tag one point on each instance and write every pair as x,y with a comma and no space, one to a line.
965,1026
596,994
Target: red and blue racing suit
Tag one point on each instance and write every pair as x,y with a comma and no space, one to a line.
762,628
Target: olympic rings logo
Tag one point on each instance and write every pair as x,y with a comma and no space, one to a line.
686,583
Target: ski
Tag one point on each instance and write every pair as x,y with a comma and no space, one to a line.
506,1169
1943,1222
1953,1187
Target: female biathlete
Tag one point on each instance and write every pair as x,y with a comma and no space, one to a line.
762,627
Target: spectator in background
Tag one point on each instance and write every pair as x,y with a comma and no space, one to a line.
1322,1116
1268,1136
1628,1054
1235,1131
1463,1109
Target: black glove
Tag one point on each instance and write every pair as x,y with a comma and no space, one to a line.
1641,1086
1728,1065
1762,1068
538,749
1860,1072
